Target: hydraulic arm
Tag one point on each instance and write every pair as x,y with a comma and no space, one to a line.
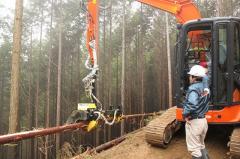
92,47
92,29
183,10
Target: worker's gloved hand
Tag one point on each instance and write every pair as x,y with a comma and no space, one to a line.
206,92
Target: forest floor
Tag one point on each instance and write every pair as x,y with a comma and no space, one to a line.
135,147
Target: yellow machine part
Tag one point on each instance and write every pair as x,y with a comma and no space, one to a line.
92,125
86,106
118,119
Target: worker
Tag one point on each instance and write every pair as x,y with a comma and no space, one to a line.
195,107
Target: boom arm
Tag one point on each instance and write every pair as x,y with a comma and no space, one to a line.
183,10
92,47
92,30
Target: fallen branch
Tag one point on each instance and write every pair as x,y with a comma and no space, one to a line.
108,145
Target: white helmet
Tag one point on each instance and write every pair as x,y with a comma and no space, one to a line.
197,71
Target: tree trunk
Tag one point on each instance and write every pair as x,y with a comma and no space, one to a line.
15,75
123,68
110,67
142,65
47,111
36,154
36,114
58,117
169,64
219,8
2,104
29,105
105,73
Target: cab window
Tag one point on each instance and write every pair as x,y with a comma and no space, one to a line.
221,78
236,63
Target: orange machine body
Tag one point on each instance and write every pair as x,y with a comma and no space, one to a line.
227,115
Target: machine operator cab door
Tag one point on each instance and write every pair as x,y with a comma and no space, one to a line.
226,81
214,44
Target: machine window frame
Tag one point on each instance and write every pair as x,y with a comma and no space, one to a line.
182,45
232,34
227,74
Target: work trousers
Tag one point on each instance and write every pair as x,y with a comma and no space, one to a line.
196,131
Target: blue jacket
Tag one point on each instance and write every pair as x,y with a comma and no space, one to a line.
195,104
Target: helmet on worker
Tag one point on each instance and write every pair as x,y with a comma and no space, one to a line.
197,71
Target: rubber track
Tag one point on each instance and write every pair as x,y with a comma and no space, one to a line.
235,142
154,131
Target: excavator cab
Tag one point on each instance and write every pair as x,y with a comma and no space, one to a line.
215,44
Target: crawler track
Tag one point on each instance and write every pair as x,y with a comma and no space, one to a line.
159,131
235,143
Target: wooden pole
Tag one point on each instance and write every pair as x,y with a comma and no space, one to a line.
8,138
37,133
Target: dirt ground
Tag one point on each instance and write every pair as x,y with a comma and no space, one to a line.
135,147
